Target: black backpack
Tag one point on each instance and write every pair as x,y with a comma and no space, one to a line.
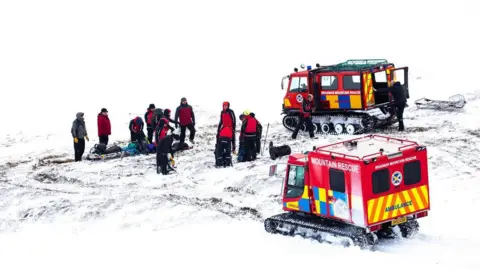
279,151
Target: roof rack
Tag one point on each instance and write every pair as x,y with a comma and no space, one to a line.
353,65
401,143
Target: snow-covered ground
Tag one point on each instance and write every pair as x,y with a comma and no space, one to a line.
58,58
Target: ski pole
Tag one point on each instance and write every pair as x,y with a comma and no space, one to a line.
265,141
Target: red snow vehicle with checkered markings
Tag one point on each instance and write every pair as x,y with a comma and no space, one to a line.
355,191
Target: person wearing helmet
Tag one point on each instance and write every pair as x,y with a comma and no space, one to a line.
249,134
227,119
186,118
305,117
149,120
136,133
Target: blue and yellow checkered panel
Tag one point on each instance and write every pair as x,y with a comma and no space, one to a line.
343,101
337,196
320,197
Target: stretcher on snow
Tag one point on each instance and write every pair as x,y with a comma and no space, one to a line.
454,102
101,152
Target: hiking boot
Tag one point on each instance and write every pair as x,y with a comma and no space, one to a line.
191,141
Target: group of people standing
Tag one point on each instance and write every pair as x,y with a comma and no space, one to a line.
159,122
249,137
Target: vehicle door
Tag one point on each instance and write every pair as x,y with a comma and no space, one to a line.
401,75
296,190
337,195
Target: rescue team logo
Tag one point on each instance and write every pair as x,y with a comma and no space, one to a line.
299,98
397,178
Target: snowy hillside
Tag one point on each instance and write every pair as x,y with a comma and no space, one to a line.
60,58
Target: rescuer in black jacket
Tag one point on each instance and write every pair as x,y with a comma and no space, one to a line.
305,117
164,147
400,101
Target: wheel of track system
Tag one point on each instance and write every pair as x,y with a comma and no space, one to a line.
409,229
289,122
270,226
326,128
351,129
339,129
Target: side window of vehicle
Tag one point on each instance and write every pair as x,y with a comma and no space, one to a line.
412,173
380,181
299,85
351,82
329,83
337,180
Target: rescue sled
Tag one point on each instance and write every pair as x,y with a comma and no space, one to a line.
454,102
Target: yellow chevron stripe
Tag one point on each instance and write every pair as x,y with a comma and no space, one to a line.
418,199
425,193
411,208
379,209
370,208
389,202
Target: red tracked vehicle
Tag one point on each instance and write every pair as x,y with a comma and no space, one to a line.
345,102
355,192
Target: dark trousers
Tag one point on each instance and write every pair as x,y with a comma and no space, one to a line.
399,108
249,148
150,134
223,152
162,163
103,139
309,124
183,129
79,149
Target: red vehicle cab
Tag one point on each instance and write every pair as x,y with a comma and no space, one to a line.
373,183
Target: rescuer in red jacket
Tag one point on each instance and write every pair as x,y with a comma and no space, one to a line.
249,134
224,146
305,117
187,120
149,120
227,119
136,133
104,127
163,126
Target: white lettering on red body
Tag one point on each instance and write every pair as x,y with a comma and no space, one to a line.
336,165
381,166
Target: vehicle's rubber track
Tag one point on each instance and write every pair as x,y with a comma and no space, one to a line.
351,123
321,230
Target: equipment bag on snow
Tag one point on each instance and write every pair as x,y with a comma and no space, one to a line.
454,102
100,152
279,151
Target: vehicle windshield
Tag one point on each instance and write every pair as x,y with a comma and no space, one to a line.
299,85
295,181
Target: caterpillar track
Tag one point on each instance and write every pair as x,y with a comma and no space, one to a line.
351,123
322,230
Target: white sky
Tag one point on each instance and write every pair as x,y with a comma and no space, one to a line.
68,56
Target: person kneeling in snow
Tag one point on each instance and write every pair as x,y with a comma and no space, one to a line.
137,135
224,146
164,147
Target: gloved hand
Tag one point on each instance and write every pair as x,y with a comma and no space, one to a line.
75,140
86,137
